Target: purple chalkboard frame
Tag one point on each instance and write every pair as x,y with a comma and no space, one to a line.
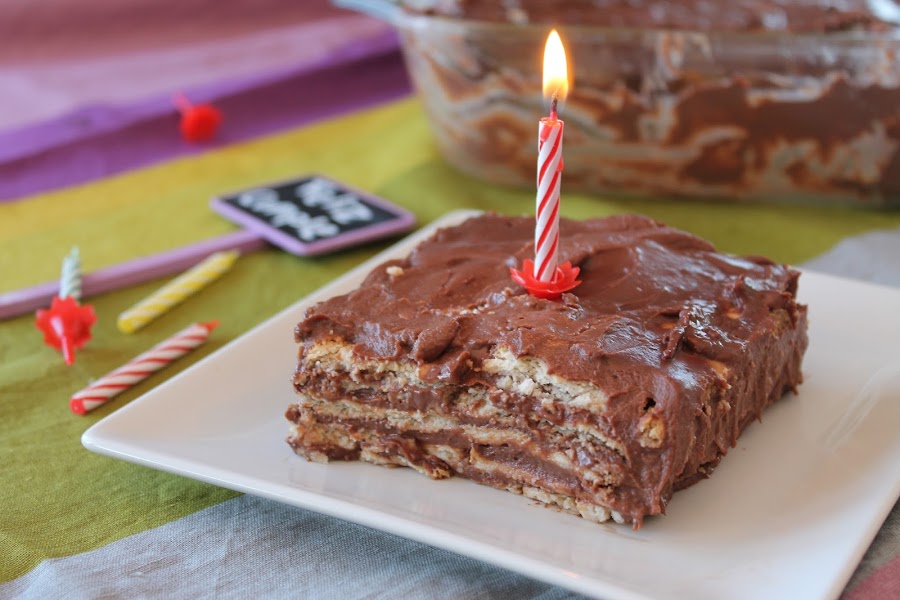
403,221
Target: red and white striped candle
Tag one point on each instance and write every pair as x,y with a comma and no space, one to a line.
140,367
550,163
549,174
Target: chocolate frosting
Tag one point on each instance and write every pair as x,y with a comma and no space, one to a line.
662,323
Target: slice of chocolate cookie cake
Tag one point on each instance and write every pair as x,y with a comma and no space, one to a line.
603,403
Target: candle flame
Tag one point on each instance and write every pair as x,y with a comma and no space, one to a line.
556,70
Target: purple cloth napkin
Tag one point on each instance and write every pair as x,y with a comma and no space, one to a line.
101,140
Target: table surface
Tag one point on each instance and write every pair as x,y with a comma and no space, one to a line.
76,523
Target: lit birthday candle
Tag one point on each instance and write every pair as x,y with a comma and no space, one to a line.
545,277
549,171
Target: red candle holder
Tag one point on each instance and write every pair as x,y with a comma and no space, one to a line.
199,122
66,325
564,279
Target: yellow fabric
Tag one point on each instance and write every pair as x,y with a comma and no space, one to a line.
58,498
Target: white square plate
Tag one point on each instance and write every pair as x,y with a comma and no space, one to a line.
788,513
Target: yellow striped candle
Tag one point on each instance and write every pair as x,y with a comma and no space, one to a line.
176,291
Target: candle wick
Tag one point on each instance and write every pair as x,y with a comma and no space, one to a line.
553,102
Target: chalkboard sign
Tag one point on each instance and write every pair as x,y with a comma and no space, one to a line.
313,214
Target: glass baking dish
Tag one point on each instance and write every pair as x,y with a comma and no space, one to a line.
763,115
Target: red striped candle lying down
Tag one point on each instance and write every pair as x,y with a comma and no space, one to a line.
139,368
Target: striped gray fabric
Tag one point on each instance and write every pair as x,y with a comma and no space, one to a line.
254,548
873,257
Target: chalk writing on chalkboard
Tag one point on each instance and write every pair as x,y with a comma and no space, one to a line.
313,214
